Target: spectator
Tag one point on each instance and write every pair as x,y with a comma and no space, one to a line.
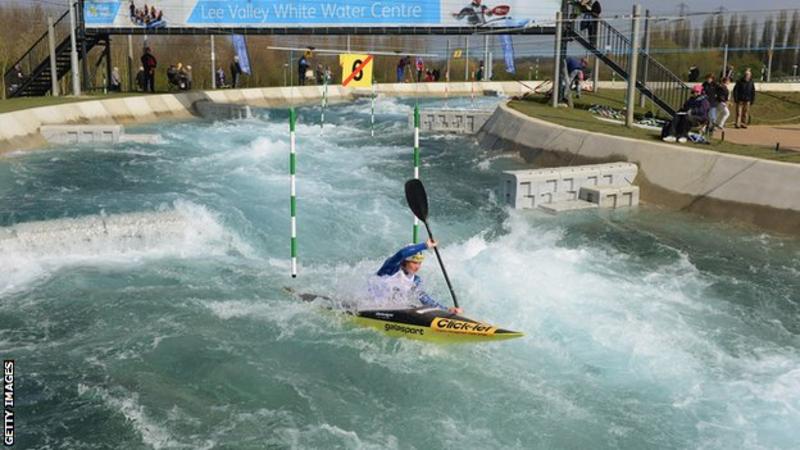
420,68
172,75
16,79
428,76
590,10
693,113
328,75
712,89
149,63
744,94
221,78
763,73
694,74
437,74
187,75
236,72
727,72
177,77
302,67
319,74
115,82
479,73
575,73
140,79
401,68
723,112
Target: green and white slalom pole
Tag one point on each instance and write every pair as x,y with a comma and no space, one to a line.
292,187
372,112
416,164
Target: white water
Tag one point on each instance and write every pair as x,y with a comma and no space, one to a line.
143,293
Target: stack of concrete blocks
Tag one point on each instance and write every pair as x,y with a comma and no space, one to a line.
460,121
92,134
561,189
222,111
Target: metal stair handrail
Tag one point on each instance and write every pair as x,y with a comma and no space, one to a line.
39,52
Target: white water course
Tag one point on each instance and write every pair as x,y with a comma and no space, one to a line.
143,300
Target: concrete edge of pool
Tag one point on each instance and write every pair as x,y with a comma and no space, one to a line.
755,191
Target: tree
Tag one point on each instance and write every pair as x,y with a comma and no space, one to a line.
719,30
792,41
733,36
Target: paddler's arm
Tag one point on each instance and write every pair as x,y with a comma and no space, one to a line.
392,265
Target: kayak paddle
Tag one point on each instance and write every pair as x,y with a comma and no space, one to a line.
418,202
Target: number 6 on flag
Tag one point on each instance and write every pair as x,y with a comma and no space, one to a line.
356,70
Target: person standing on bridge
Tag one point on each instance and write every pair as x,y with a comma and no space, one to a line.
149,63
397,279
302,68
236,72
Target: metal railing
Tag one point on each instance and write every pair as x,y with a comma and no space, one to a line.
31,64
653,79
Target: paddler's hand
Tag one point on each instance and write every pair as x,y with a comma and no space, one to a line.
455,310
431,243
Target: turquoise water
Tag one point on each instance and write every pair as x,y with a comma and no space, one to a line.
143,300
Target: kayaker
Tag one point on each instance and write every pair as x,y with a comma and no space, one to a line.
397,278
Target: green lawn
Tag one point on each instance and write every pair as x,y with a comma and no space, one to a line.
770,108
15,104
580,118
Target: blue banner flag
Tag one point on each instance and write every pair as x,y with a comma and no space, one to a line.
240,47
508,52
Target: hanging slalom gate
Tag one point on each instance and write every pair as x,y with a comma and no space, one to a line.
415,234
293,188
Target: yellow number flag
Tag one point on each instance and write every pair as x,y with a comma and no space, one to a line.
356,70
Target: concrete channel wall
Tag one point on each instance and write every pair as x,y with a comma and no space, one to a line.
760,192
20,129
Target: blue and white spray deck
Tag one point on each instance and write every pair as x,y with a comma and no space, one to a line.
166,325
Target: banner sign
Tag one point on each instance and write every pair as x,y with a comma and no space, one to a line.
240,48
508,52
317,13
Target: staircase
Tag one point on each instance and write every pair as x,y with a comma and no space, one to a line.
664,88
35,63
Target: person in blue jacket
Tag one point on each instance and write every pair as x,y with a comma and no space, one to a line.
398,279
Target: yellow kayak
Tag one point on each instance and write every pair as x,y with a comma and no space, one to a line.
426,324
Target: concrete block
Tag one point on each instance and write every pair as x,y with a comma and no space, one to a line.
567,205
531,188
81,134
451,120
611,196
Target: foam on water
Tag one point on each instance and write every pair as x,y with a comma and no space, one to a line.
31,250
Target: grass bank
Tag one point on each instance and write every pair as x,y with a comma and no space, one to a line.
581,118
16,104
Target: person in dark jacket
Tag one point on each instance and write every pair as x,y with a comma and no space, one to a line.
744,94
140,79
590,14
236,72
693,113
302,68
149,63
712,91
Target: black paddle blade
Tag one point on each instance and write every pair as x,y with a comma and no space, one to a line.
417,199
